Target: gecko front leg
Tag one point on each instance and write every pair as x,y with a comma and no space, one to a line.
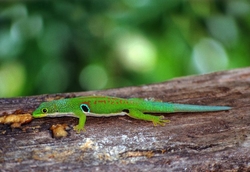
157,120
81,123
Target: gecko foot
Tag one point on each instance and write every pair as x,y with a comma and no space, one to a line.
78,129
159,120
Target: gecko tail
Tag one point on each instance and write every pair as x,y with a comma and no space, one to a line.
197,108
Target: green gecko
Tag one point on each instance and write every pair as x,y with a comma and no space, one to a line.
104,106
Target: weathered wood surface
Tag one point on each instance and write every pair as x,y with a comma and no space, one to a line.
214,141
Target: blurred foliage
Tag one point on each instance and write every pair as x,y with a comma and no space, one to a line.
66,46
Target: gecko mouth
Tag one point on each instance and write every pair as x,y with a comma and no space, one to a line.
39,115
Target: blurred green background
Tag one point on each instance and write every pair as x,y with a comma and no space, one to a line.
68,46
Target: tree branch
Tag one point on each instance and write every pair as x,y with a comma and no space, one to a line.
213,141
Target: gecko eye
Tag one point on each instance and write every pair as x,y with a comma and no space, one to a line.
85,108
44,110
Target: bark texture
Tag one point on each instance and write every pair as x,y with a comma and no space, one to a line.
213,141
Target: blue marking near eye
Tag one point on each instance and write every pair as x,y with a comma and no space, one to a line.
84,108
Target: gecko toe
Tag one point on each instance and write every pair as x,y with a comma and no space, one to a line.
160,121
79,129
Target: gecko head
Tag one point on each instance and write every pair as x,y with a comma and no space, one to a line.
45,109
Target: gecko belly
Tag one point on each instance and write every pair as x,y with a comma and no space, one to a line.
60,114
105,115
69,114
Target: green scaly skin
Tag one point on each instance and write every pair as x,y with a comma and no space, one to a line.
100,106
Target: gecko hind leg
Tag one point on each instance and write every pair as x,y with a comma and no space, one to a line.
157,120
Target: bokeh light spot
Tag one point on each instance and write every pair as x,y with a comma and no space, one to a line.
136,53
13,78
209,55
53,78
93,77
